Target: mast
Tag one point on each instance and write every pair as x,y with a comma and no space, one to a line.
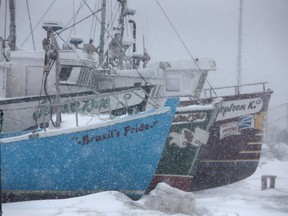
102,35
55,48
117,47
239,48
57,100
51,48
123,4
12,36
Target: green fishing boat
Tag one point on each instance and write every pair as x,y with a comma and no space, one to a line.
188,135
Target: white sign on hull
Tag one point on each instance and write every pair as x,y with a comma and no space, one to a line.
236,108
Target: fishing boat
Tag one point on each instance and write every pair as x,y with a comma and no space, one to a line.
187,139
233,149
119,153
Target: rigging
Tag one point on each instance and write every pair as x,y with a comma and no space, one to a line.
48,9
31,30
193,59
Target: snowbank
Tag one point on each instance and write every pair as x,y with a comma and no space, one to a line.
170,200
244,198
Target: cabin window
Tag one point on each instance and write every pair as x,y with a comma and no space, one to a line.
173,84
84,77
65,73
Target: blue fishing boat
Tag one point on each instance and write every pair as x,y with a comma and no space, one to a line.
116,154
99,152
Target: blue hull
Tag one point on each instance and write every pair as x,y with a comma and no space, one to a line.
121,155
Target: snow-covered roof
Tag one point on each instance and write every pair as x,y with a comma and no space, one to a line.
203,64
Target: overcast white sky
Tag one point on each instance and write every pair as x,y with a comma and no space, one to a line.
209,28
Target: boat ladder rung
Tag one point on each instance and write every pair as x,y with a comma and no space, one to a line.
250,152
259,134
254,143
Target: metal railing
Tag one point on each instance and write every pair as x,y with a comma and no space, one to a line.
114,103
210,92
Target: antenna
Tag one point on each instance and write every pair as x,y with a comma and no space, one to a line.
53,25
144,48
239,48
102,35
12,36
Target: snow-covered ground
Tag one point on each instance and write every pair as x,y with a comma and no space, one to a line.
244,198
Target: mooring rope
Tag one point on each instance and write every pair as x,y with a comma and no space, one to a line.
193,59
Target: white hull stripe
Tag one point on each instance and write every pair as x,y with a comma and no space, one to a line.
250,152
180,176
228,161
255,143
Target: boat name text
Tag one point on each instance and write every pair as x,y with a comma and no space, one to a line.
111,134
86,106
236,108
190,117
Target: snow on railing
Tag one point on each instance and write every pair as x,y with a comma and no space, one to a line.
234,90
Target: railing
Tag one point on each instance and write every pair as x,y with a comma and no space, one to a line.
115,102
236,90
